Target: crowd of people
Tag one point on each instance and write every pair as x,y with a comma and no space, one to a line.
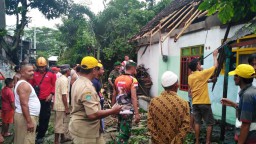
74,94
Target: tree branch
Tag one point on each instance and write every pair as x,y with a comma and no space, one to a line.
20,27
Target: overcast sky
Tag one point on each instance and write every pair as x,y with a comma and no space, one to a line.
38,19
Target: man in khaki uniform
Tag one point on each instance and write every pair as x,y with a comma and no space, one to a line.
61,104
85,126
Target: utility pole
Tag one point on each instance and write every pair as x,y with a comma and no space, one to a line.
21,45
34,38
2,15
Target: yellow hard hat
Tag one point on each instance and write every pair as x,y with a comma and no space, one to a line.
244,71
89,62
41,61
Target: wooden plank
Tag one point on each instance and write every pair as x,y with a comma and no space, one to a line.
181,15
188,23
165,23
244,43
177,24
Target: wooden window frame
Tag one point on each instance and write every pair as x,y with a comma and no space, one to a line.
184,61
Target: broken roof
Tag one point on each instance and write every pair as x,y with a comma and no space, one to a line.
175,13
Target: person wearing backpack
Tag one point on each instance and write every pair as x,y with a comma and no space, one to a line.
125,95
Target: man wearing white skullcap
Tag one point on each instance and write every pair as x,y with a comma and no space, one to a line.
168,115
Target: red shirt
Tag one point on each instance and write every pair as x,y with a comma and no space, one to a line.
7,99
47,86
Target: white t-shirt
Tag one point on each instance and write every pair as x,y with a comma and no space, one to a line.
238,98
33,101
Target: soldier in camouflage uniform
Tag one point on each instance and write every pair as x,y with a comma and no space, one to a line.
125,87
112,77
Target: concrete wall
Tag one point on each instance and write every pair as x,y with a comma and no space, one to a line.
151,60
209,38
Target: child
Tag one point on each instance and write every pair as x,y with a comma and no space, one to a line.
7,106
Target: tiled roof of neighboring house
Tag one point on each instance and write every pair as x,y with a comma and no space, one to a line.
172,14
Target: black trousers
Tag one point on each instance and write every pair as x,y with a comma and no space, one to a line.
44,118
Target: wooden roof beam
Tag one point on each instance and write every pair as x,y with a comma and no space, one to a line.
187,24
165,23
182,14
159,24
244,43
177,23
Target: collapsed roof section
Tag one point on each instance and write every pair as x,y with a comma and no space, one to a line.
179,14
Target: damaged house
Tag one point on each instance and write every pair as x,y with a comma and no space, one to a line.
180,33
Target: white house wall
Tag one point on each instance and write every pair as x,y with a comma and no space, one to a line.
211,39
151,60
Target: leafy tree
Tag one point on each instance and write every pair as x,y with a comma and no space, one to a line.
161,5
119,21
19,8
230,10
77,35
47,41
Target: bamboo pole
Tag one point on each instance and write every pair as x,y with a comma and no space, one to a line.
157,26
167,17
181,16
193,15
203,14
187,24
170,19
177,25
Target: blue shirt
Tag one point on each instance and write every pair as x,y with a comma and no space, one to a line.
247,110
97,85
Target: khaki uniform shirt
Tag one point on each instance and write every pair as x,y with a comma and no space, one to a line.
85,101
61,88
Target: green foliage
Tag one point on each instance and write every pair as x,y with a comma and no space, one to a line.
139,131
51,9
3,32
139,140
230,10
50,130
142,111
116,24
77,35
139,136
161,5
47,41
19,8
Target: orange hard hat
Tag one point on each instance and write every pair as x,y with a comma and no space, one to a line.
41,61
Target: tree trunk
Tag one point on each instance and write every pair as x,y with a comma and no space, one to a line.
20,26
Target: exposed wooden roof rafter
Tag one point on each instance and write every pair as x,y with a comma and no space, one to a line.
179,22
165,23
188,23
